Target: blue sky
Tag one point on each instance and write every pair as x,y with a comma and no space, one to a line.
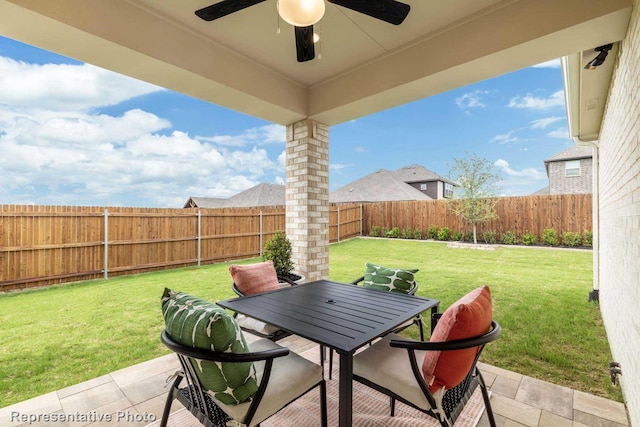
75,134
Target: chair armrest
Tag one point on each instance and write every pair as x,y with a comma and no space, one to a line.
451,345
358,280
289,281
236,290
218,356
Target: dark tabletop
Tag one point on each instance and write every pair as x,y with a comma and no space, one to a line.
341,316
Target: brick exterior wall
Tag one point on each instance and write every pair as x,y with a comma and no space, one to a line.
307,197
559,183
620,216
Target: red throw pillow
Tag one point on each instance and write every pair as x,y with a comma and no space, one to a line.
255,278
468,317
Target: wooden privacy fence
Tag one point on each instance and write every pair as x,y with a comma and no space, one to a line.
520,215
42,245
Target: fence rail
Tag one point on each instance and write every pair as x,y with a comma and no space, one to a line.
43,245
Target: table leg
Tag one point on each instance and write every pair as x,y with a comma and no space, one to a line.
346,389
434,310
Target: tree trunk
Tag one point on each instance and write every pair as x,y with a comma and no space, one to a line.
475,239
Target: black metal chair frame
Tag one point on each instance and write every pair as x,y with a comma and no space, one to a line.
416,320
278,334
454,399
200,404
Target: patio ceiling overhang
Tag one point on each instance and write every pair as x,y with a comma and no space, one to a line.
239,62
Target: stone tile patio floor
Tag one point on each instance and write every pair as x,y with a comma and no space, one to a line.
135,396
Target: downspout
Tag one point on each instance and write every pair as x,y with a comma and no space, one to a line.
573,65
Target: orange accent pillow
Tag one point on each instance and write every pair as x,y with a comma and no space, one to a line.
468,317
255,278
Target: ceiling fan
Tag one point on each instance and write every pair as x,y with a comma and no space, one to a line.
302,14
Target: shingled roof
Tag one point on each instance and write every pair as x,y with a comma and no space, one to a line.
260,195
417,173
204,202
572,153
380,186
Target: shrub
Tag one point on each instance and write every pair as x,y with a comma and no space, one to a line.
384,232
407,233
457,236
529,239
571,239
432,232
394,233
508,238
587,238
278,250
375,231
417,234
468,236
550,237
489,237
444,233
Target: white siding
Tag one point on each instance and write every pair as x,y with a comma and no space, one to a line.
620,216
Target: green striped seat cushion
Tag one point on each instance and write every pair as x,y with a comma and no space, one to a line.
197,323
388,279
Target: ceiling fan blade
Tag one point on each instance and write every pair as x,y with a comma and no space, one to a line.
391,11
224,8
304,43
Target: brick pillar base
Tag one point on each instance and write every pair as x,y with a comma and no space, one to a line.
307,197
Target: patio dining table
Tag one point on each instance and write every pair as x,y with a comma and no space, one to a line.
340,316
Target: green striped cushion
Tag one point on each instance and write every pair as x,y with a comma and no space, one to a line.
388,279
197,323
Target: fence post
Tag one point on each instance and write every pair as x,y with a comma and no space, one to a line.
106,243
260,234
199,256
338,223
360,219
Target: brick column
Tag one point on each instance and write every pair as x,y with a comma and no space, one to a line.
307,196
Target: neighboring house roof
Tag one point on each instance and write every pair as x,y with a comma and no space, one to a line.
260,195
417,173
380,186
542,192
204,202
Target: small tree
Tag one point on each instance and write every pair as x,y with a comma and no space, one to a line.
278,249
475,193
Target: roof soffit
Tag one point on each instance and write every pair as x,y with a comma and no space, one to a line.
380,66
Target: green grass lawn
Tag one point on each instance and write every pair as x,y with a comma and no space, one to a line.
59,336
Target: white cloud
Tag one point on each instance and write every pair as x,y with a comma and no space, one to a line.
360,149
55,150
268,134
519,182
65,87
339,166
471,100
506,138
554,63
561,133
544,123
528,173
535,103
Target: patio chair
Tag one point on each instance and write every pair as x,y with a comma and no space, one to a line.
436,377
249,279
227,381
389,280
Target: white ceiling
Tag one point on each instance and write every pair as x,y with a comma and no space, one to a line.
240,62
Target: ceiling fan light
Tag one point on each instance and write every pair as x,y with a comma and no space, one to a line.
301,13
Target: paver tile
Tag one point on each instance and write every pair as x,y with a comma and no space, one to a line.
544,395
600,407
